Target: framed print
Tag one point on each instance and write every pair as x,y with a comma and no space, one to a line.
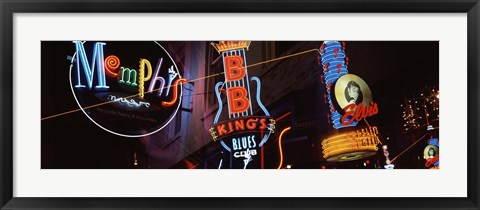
239,105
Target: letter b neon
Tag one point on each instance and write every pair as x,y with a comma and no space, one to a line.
234,69
237,100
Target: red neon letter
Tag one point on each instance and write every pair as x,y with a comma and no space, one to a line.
111,66
239,125
175,94
263,124
252,123
349,110
234,69
221,130
237,100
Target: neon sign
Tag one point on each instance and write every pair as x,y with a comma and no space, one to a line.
89,69
353,103
431,153
352,94
122,78
352,145
334,65
130,102
354,98
359,112
242,133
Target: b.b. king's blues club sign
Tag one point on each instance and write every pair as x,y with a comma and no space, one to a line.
243,133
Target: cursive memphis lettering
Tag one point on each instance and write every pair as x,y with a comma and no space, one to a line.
126,76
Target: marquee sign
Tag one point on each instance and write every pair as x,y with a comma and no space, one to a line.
351,145
243,133
116,87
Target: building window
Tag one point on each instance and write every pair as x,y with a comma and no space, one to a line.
214,66
178,121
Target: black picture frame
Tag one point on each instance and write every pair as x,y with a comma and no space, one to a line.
10,7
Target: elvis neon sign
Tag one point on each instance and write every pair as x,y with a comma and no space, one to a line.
352,95
334,64
351,145
353,103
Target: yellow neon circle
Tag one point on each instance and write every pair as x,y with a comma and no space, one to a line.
352,82
428,149
351,156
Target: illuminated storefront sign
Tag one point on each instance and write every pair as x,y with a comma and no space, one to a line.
354,98
242,134
334,63
351,145
352,95
350,101
135,101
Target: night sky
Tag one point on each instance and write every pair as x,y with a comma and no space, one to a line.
407,68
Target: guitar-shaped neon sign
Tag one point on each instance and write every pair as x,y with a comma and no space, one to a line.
243,133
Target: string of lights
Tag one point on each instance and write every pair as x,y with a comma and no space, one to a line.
190,81
422,110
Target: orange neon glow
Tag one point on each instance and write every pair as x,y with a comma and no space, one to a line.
283,116
365,139
372,139
112,63
237,99
234,69
351,144
190,165
348,147
230,45
175,92
369,132
280,146
349,150
336,137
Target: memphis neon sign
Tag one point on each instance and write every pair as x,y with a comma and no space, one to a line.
128,76
106,79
